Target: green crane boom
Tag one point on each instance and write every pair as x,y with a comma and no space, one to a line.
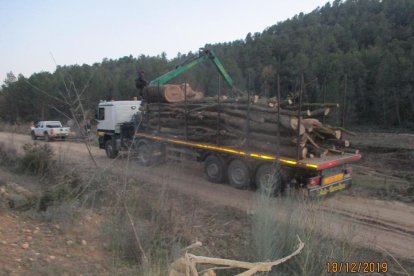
203,55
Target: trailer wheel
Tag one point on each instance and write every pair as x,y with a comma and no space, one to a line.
33,135
109,149
239,174
144,154
269,179
215,168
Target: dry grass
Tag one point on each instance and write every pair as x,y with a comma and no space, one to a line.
143,230
7,155
37,159
20,128
383,187
277,221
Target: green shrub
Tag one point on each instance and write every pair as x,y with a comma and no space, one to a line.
60,188
8,155
37,159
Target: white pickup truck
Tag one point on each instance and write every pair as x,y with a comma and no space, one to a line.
49,130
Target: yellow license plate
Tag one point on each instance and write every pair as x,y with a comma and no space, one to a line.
331,189
331,179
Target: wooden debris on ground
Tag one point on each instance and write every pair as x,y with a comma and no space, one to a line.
187,265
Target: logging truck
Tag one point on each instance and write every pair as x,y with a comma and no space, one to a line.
120,128
243,140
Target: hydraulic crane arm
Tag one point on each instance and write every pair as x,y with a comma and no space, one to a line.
203,55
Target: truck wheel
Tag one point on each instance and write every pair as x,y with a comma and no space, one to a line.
47,138
109,149
144,154
215,169
269,179
33,135
239,174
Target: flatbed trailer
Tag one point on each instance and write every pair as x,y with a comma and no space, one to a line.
318,176
240,167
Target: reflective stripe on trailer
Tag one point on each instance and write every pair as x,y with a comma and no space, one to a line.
287,161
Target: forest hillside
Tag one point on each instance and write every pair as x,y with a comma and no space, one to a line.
368,43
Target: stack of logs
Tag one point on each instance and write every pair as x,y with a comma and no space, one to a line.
242,122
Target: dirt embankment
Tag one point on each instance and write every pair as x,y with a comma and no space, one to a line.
28,245
386,226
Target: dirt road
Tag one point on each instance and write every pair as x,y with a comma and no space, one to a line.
385,226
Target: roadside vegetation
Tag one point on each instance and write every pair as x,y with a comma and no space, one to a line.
145,228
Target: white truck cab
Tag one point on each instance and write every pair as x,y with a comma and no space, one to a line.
114,118
111,114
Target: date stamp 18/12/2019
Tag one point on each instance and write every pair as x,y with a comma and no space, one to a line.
357,267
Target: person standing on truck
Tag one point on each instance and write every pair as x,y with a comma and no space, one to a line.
140,84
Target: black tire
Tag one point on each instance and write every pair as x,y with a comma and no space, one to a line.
111,152
238,173
63,138
46,136
143,154
215,169
269,179
33,135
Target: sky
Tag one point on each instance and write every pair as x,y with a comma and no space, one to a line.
37,35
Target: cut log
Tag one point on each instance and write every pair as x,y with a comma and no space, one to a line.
254,116
169,114
288,151
285,138
338,143
285,121
333,150
311,123
320,104
302,140
255,107
344,130
328,132
320,112
319,152
283,103
170,93
309,139
317,135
